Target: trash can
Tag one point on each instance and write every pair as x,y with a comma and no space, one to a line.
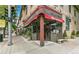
1,37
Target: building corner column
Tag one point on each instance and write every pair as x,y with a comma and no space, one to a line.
41,31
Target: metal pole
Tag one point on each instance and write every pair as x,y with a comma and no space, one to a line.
9,27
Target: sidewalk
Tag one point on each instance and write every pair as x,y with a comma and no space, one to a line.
23,46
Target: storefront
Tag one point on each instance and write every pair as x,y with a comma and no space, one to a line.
46,24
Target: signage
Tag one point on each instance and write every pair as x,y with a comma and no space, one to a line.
2,23
52,13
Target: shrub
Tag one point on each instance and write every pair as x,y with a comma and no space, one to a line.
77,33
64,34
73,34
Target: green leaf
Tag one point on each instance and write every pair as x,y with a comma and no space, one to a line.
14,26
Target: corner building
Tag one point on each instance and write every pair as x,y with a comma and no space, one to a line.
56,28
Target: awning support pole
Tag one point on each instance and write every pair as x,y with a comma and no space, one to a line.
41,31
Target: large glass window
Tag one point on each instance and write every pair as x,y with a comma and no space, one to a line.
55,6
62,6
74,12
26,9
68,23
70,8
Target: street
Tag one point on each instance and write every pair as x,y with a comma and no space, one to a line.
23,46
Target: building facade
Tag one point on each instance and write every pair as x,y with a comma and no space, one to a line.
69,14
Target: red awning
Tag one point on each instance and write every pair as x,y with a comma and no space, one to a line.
50,18
53,18
48,14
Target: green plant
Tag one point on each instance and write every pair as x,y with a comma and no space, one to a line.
28,33
77,33
73,34
64,34
14,27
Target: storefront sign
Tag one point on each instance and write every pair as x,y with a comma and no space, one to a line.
2,23
52,13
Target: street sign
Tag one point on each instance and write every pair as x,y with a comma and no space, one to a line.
2,23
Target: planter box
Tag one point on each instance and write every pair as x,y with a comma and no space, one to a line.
34,36
54,37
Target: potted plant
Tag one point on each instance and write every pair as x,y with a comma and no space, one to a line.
77,33
65,35
73,34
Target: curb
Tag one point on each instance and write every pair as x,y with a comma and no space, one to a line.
26,40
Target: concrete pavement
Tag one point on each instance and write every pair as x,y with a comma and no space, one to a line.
23,46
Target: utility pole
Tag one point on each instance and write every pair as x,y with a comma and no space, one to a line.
9,26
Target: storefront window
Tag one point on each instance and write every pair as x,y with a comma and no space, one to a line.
62,6
26,9
55,6
70,8
74,12
34,29
67,23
